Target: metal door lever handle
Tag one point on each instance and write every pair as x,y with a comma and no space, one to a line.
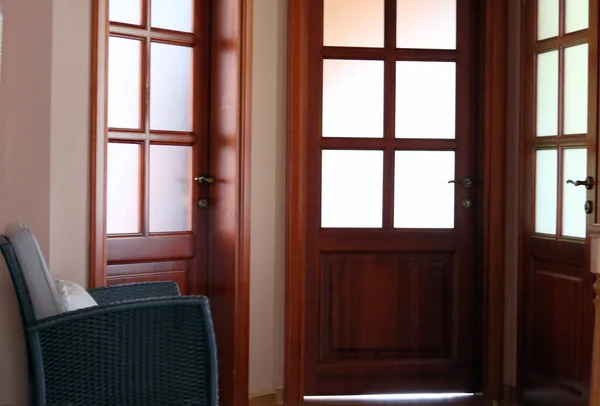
466,182
588,182
204,180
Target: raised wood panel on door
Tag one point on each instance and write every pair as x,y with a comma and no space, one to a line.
556,308
409,294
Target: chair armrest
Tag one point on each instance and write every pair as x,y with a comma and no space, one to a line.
134,291
147,352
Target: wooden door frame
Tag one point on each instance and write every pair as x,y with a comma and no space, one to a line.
229,263
493,97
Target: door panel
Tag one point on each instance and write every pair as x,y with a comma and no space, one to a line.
559,142
158,90
390,279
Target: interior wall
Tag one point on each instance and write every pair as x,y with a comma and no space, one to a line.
69,147
267,241
44,92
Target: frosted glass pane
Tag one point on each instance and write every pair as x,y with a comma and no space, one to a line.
125,11
419,203
425,99
352,189
171,87
547,94
426,24
548,12
576,90
354,23
577,15
171,184
574,197
352,98
123,188
176,15
124,82
546,178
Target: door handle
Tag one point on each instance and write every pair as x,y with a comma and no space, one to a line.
466,182
588,182
204,180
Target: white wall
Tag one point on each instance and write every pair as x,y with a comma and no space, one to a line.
267,270
44,91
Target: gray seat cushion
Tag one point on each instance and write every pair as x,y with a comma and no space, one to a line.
42,290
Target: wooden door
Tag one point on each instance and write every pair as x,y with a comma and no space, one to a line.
559,180
158,120
388,294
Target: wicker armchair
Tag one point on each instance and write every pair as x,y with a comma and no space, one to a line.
142,345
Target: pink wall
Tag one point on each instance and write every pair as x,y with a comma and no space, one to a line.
25,89
44,131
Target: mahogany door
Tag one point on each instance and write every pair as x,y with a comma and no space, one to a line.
157,110
559,194
389,294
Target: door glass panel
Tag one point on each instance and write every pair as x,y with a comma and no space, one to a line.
419,203
352,189
548,14
574,197
171,184
123,188
577,15
546,191
353,23
171,87
352,98
416,19
124,82
125,11
176,15
547,94
425,99
576,90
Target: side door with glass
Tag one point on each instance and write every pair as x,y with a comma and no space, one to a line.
559,197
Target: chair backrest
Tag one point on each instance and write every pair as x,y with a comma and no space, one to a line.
14,269
30,273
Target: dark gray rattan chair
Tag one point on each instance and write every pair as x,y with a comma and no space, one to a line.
142,345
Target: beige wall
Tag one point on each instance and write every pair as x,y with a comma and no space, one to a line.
44,92
267,271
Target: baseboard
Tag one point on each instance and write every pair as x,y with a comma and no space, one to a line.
267,397
510,393
262,394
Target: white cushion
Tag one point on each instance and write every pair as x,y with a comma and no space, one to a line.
72,296
42,290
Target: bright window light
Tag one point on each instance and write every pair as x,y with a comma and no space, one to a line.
404,396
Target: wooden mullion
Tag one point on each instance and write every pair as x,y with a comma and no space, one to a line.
394,143
426,55
572,39
561,110
145,109
389,115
